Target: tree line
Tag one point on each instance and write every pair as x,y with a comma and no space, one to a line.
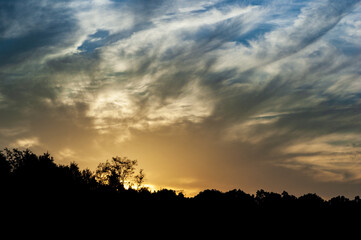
26,175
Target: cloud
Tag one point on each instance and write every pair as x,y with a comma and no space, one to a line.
292,71
27,142
33,29
268,78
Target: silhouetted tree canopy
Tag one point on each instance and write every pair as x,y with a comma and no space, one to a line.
116,172
25,175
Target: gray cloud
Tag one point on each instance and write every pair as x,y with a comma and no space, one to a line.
77,75
31,29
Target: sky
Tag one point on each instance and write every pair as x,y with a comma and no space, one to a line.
217,94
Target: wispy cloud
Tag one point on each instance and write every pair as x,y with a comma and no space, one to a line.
281,76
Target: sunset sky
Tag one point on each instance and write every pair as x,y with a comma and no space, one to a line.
217,94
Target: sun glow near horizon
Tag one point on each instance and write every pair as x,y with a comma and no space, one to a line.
220,94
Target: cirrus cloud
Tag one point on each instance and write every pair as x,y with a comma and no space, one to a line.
279,77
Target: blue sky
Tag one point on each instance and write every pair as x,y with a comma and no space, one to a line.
217,94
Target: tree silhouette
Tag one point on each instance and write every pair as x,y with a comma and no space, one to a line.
311,200
139,179
268,199
116,172
5,168
26,176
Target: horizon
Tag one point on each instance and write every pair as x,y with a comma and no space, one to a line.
218,94
20,165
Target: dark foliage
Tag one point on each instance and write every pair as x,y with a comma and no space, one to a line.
28,177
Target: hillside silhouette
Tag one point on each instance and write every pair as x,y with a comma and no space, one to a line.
28,177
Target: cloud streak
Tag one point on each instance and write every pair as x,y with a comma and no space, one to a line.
278,79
